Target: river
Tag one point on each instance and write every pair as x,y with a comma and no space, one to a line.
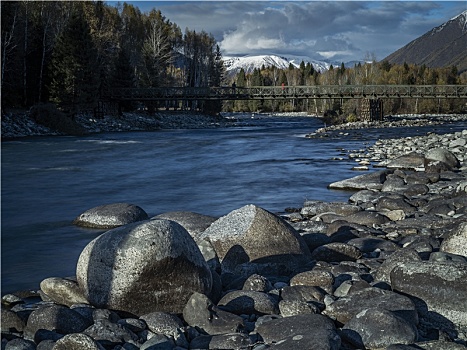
48,181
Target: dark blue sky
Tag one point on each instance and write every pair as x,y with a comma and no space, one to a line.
335,30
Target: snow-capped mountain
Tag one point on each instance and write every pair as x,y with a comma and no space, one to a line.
249,63
442,46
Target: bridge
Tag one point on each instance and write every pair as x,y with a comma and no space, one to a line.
287,92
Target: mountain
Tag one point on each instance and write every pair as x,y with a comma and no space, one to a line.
249,63
443,46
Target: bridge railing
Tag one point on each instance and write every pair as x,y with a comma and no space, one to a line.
287,92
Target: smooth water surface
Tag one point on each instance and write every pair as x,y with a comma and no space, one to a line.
48,181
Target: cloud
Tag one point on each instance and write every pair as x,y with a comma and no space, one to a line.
336,30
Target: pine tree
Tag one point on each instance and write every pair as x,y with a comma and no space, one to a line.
74,69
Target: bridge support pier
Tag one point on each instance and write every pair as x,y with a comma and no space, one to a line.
371,109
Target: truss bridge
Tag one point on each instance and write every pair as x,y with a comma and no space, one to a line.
287,92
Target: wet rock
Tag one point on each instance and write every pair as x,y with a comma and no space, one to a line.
257,283
312,208
110,216
11,322
255,239
306,331
443,155
376,328
410,161
202,313
456,241
317,278
194,223
233,341
395,259
110,334
436,287
335,252
347,307
143,267
63,291
162,322
368,218
373,181
57,318
249,302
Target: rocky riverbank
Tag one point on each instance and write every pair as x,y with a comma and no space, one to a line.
21,124
386,270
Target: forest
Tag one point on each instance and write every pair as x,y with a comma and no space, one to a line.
69,52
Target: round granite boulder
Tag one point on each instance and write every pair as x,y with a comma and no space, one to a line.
111,216
143,267
253,237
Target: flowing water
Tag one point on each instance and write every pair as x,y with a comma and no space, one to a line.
48,181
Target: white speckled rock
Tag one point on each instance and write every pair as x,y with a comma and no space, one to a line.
111,215
143,267
255,237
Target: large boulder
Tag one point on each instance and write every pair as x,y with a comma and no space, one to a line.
437,288
110,216
143,267
251,238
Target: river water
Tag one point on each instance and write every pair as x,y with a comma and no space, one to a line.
48,181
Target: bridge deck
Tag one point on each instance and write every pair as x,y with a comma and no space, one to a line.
287,92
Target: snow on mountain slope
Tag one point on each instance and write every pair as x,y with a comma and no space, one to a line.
249,63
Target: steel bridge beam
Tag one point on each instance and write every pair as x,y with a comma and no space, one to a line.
288,92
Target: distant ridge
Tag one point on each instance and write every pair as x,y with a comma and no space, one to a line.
233,65
443,46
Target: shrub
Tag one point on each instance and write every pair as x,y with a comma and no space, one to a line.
48,115
351,118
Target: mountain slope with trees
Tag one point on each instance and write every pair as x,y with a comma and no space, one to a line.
445,45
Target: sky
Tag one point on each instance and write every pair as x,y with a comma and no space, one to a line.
338,31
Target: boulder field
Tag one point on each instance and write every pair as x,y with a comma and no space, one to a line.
386,270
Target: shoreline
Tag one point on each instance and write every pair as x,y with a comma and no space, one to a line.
394,252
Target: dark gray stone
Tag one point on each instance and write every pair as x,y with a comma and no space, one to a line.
162,322
347,307
55,318
194,223
436,287
408,161
317,278
303,293
370,244
20,344
257,283
312,208
395,259
314,328
249,302
158,342
456,241
335,252
143,267
376,328
372,181
77,341
443,155
233,341
110,334
202,313
11,322
368,218
111,215
289,308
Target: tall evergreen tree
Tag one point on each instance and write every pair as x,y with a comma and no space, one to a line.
74,69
